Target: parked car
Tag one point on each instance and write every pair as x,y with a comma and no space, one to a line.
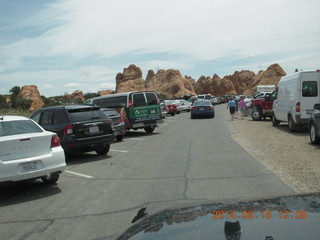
261,107
314,125
81,128
261,94
172,108
186,106
139,109
164,109
117,121
177,103
295,97
27,151
203,108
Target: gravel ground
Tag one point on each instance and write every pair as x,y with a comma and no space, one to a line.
291,156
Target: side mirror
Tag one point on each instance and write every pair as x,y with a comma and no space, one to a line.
317,106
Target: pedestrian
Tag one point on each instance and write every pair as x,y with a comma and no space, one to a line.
242,107
232,107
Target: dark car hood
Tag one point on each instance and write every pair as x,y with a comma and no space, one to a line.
293,217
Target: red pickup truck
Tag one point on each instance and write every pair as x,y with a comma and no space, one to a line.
262,107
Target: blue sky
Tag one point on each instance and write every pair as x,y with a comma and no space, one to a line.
63,46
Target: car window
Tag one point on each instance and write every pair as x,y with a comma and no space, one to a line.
310,89
60,117
36,117
46,118
87,114
139,100
151,99
18,127
111,102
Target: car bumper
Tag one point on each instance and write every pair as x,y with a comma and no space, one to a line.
44,165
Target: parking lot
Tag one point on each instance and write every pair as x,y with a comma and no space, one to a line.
184,162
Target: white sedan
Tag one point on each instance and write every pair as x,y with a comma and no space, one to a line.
27,151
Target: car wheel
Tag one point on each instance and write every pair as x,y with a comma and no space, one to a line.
292,126
275,122
172,114
192,117
178,112
150,129
119,138
212,116
53,178
103,150
256,114
313,134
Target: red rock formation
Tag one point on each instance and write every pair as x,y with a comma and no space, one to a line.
78,94
170,82
105,92
31,92
130,80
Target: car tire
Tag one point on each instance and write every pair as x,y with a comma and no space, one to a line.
291,124
150,129
172,114
256,114
212,116
313,134
53,178
178,112
103,150
275,122
192,117
119,138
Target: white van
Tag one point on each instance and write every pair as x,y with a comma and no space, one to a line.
296,95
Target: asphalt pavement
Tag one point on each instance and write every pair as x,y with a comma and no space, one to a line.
185,162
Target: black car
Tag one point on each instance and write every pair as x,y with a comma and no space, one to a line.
117,121
314,125
81,128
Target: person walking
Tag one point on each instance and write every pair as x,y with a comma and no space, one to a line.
242,107
232,108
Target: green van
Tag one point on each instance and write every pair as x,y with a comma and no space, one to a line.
139,109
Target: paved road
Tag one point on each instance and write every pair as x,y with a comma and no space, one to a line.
185,162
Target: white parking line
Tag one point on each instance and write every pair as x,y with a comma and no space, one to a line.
139,139
115,150
78,174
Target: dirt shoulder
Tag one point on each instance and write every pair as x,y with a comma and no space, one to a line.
290,156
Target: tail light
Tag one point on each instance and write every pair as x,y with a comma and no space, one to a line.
298,107
130,103
210,108
194,108
68,130
55,141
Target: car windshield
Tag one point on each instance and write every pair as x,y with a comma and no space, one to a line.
8,128
63,62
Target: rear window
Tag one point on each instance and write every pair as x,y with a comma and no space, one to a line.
85,114
18,127
310,89
139,100
111,113
111,102
202,103
151,99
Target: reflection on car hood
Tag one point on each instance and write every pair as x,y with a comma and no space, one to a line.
291,217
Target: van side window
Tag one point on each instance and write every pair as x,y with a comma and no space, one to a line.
310,89
139,100
151,99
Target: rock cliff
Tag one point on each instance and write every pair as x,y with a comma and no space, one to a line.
170,83
130,80
31,92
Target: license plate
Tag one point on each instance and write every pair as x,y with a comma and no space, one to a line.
30,167
201,109
94,129
153,111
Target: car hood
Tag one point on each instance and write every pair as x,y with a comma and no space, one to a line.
289,217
